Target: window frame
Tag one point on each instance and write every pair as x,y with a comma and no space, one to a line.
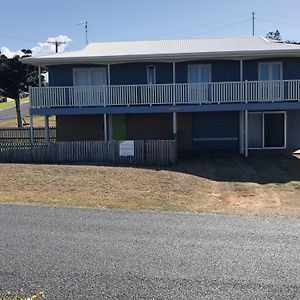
148,75
199,66
263,129
269,64
89,70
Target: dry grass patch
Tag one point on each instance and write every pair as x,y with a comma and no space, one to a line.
38,121
134,188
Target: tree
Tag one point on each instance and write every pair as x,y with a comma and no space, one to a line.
274,35
16,77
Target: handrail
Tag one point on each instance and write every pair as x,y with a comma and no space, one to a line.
172,94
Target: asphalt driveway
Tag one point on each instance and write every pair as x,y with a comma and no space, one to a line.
105,254
10,113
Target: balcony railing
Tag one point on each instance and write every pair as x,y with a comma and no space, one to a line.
170,94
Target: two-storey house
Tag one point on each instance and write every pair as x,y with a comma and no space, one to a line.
226,94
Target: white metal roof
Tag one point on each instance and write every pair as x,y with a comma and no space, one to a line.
104,52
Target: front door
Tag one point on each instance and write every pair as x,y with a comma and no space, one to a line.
199,76
119,127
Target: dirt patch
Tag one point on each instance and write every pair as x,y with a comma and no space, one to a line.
134,188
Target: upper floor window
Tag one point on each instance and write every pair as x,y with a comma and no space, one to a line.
199,73
151,75
89,76
270,71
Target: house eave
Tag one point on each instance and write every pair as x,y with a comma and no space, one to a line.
234,55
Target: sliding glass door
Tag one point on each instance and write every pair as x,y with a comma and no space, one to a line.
267,130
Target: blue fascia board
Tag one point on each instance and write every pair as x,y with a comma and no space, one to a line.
164,108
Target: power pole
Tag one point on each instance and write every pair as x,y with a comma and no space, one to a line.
57,44
253,23
85,23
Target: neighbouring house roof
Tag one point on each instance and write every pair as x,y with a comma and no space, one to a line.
170,50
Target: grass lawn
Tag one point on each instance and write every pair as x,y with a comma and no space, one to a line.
222,184
38,121
11,103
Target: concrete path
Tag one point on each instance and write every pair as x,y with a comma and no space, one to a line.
105,254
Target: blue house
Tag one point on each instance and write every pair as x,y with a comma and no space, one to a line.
226,94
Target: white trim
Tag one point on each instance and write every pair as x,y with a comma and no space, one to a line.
216,139
148,77
270,64
103,69
263,129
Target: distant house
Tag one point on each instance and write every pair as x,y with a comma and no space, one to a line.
227,94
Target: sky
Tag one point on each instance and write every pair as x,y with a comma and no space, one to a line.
31,24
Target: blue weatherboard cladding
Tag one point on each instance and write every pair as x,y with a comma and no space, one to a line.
62,75
135,73
222,70
215,131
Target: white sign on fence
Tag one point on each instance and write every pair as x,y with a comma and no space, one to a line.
126,148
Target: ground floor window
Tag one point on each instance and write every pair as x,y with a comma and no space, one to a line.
267,130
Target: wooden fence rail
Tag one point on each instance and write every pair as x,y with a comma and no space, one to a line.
22,135
149,152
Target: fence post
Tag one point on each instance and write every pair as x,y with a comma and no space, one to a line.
31,130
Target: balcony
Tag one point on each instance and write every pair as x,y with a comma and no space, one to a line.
166,94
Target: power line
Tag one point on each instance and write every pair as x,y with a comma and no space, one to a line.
17,38
225,26
277,15
279,22
184,29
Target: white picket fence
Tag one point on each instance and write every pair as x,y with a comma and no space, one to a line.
149,152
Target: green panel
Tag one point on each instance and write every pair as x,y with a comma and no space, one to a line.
119,127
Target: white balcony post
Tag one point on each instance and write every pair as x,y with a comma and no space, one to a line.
109,124
47,135
108,74
241,76
40,76
110,127
241,70
174,124
31,130
246,133
242,132
105,127
174,81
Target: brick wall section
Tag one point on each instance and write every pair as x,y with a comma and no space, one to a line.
149,126
79,127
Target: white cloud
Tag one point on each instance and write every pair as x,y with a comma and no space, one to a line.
8,53
41,49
